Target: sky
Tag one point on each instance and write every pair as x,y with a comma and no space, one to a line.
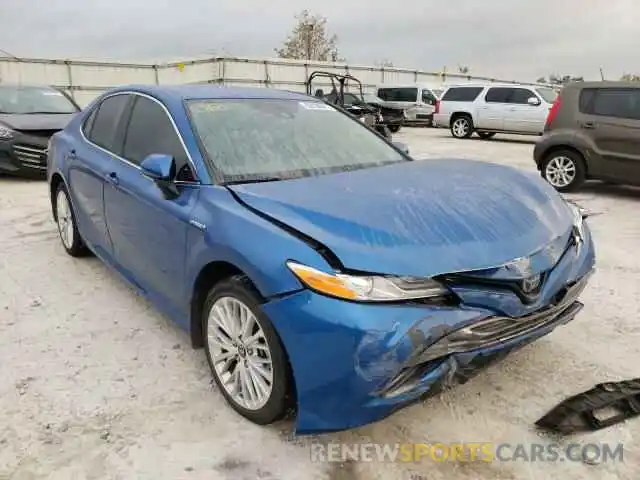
508,39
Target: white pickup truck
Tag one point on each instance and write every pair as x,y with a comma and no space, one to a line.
490,109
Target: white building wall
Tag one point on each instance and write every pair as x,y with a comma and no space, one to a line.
85,80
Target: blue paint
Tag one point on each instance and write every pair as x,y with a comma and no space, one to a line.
424,219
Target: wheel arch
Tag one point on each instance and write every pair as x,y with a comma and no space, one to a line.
457,114
56,181
560,148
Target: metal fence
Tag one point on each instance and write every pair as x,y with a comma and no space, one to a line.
85,79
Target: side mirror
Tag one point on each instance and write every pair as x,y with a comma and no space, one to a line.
534,101
161,169
401,146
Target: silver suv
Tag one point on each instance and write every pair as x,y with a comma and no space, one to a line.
491,109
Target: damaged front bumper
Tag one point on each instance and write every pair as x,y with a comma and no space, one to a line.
356,363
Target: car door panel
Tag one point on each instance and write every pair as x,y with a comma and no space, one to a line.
148,228
89,162
611,120
617,143
88,167
490,110
520,116
149,233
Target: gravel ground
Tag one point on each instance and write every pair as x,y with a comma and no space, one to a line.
98,385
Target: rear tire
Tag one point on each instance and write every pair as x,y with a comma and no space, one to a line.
247,360
461,126
565,170
65,219
486,135
394,128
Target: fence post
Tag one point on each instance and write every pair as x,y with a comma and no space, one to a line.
70,78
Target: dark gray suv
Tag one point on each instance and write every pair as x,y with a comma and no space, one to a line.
592,132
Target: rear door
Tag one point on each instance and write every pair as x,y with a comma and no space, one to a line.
611,118
89,165
426,104
491,109
148,230
522,117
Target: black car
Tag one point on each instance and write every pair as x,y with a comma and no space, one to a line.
29,116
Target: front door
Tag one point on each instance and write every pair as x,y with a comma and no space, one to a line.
522,117
149,229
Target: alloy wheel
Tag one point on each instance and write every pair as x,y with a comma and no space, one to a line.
64,219
240,353
560,171
461,127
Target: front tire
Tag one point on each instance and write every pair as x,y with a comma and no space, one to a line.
394,128
245,354
462,127
564,169
67,225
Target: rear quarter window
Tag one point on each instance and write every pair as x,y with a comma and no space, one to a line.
462,94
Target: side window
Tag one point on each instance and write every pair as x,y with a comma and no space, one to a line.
383,93
398,94
104,130
585,104
151,131
521,96
617,102
497,95
462,94
88,123
428,97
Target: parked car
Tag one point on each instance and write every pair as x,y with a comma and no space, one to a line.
490,109
592,132
418,101
319,266
29,115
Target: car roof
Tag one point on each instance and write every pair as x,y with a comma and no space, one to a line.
492,85
603,84
210,92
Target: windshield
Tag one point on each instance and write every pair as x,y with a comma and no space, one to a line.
26,100
548,94
280,139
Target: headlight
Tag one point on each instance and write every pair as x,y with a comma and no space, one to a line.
367,288
6,133
579,214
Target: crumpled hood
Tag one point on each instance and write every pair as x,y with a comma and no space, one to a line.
421,218
36,121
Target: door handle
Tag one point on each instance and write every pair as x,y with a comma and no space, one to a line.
113,179
589,125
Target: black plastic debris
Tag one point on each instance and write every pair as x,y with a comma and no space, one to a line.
604,405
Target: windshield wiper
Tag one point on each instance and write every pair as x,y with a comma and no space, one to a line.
253,180
47,113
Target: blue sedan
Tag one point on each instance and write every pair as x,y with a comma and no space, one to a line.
321,268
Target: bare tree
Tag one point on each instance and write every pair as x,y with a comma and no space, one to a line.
556,79
310,40
630,77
